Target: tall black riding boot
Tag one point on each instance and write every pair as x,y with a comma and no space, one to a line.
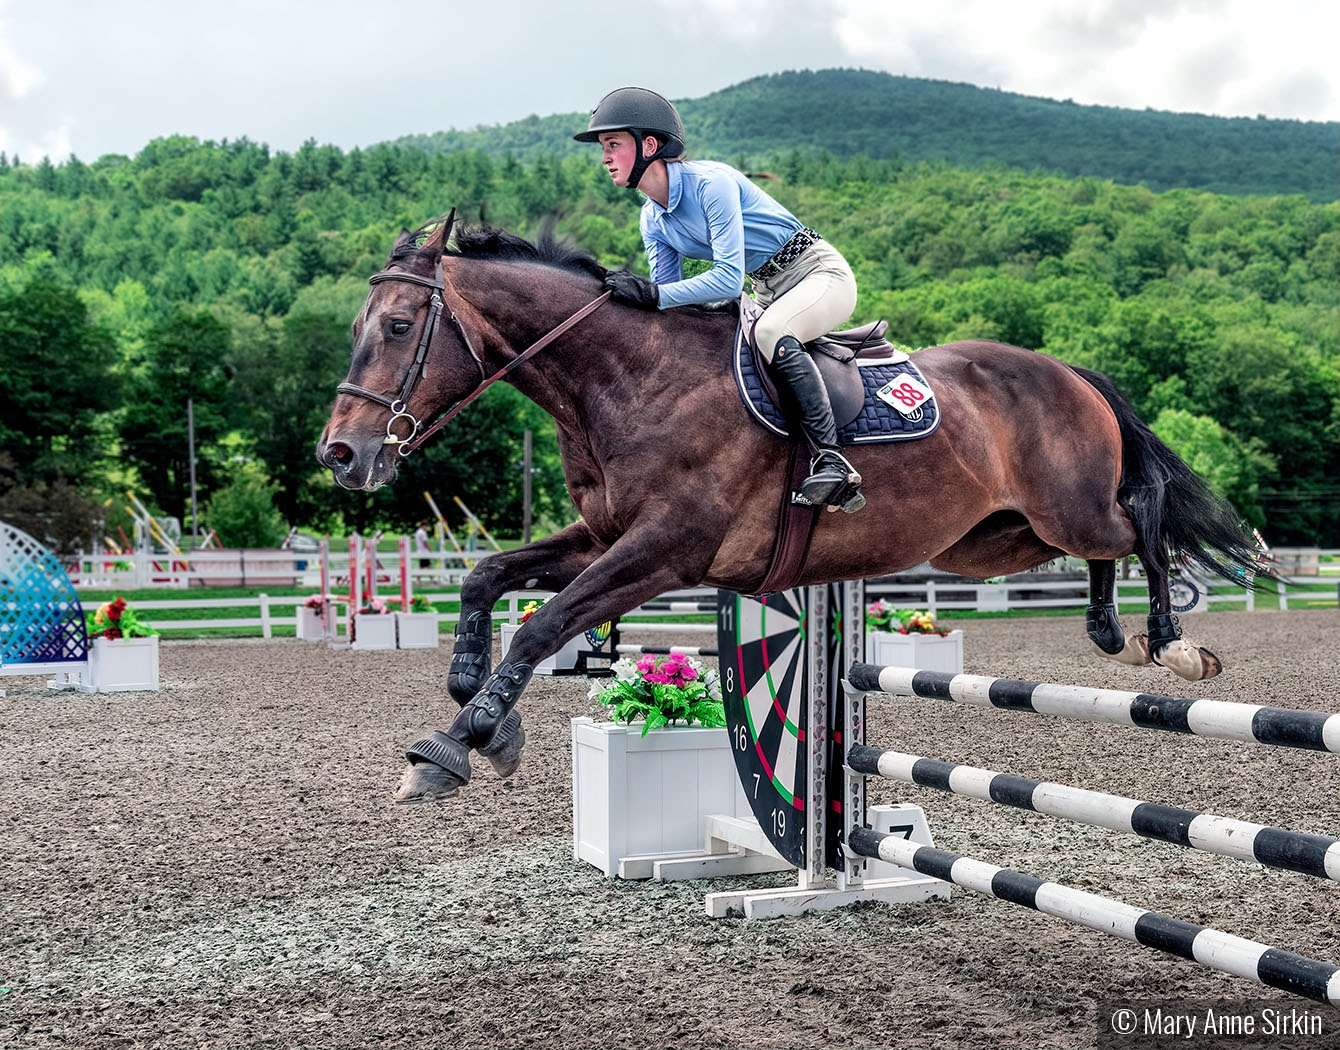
832,481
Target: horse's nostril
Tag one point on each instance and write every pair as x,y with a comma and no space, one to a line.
337,454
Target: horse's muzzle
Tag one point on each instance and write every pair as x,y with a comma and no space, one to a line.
367,465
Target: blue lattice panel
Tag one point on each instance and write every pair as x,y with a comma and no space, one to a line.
41,619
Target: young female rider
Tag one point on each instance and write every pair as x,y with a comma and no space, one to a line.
700,209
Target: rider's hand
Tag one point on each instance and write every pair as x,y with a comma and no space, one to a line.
632,289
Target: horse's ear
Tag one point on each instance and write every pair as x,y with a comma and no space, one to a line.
438,239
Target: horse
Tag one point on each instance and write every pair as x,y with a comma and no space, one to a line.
678,486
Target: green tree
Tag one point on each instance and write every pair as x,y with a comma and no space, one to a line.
56,380
284,392
187,357
1231,466
242,514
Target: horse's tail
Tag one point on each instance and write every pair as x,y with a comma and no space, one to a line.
1177,516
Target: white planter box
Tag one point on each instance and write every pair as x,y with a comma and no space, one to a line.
374,631
925,652
564,660
634,795
416,630
310,628
122,666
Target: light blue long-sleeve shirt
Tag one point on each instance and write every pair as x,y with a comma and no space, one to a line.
714,213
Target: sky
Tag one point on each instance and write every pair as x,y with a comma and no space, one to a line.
87,78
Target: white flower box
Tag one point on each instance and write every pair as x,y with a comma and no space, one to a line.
564,660
416,630
310,628
634,795
122,665
374,631
925,652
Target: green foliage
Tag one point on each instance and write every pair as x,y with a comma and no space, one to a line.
56,381
53,513
793,122
243,514
227,274
116,619
186,358
1230,465
662,690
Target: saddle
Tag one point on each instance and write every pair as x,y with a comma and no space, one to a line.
876,392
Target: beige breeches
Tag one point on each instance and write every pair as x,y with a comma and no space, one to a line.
810,298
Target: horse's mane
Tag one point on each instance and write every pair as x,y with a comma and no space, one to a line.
493,242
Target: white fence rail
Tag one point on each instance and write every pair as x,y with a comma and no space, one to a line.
934,596
251,568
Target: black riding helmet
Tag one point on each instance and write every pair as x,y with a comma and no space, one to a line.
641,112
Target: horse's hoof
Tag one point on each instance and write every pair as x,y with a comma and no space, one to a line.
1135,652
424,782
1188,661
438,767
504,750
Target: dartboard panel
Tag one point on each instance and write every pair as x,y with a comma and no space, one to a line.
764,655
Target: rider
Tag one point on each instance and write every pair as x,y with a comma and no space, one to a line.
702,209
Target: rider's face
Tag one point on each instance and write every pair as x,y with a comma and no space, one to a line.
619,151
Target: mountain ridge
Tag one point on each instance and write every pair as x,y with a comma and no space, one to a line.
848,112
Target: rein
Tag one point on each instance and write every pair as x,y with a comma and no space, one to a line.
418,434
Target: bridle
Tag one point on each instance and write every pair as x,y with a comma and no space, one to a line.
437,304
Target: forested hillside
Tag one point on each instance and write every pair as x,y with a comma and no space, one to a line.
229,275
849,113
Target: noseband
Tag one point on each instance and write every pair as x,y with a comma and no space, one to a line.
399,406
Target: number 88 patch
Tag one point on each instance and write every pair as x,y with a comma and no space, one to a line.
906,394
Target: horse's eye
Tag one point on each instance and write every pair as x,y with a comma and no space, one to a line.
399,327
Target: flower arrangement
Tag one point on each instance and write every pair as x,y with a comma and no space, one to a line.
420,604
881,616
316,601
375,607
116,619
661,690
530,609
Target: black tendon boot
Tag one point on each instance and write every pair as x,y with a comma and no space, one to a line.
832,481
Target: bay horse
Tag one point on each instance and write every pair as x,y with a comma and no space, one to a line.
677,486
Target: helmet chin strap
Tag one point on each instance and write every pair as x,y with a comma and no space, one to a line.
642,163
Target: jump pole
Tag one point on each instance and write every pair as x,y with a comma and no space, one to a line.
1215,719
1297,974
1316,855
1273,967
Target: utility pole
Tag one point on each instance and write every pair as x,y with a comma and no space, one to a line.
190,445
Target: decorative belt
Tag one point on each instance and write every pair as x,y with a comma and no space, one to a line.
786,255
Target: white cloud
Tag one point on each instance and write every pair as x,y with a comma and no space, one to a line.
107,78
19,78
1226,57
